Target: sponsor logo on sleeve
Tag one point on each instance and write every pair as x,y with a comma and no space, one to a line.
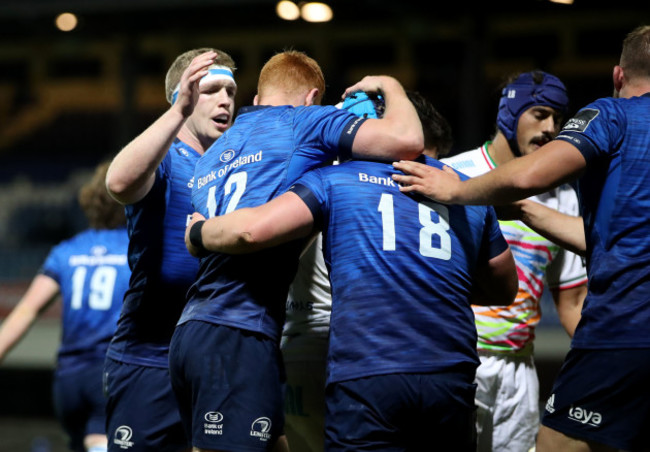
571,139
581,120
353,126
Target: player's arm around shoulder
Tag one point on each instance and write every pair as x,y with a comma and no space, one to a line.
398,134
246,230
555,163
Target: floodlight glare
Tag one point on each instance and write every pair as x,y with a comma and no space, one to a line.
66,21
316,12
287,10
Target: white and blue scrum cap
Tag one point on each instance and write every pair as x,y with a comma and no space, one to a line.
215,72
363,105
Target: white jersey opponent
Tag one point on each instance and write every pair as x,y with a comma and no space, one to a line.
310,299
511,329
304,350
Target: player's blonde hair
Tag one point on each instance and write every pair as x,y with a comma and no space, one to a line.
183,61
635,56
292,72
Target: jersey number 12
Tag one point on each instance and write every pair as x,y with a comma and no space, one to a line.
236,184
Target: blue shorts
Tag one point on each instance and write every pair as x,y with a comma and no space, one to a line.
602,396
402,412
230,386
141,412
79,403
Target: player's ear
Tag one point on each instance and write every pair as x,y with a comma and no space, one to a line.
618,77
311,95
256,100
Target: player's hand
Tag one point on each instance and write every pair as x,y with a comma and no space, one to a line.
438,185
191,248
512,211
368,84
188,91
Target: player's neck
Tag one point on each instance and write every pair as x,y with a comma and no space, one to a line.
189,138
635,88
278,97
499,150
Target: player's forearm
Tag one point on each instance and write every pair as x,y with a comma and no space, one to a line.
232,233
569,318
568,303
249,230
132,171
15,327
280,220
444,186
41,293
402,118
398,134
565,230
555,163
505,184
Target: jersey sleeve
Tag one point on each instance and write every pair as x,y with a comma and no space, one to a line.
567,270
311,190
326,129
52,265
596,130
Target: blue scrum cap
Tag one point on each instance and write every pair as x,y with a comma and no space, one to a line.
523,93
364,105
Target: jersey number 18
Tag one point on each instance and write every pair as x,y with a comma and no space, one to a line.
430,227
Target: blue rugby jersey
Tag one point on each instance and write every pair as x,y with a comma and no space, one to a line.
92,271
265,150
401,268
162,267
614,137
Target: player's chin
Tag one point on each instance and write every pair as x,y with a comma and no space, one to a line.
216,133
532,147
